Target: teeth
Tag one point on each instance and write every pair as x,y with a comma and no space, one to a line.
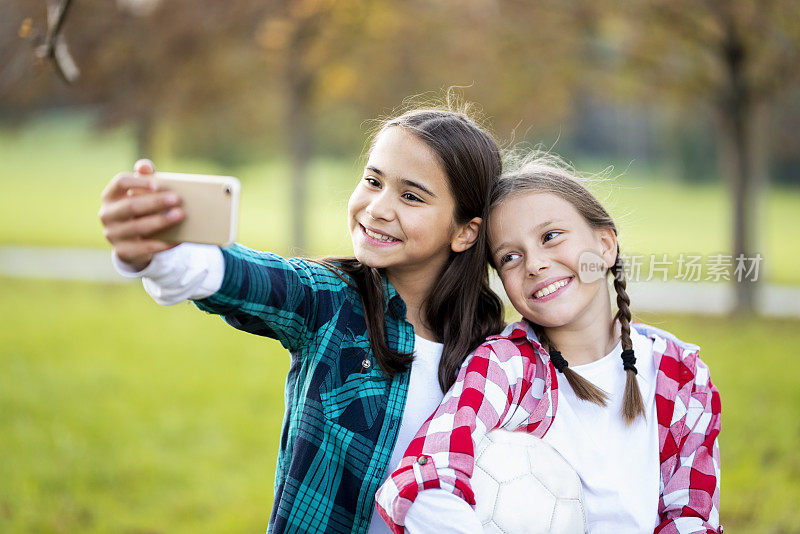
379,237
549,289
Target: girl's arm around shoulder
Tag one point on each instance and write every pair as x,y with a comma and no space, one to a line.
690,462
504,383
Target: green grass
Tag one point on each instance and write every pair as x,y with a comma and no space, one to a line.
118,415
54,169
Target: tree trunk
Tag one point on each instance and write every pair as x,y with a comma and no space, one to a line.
299,126
299,129
145,128
739,159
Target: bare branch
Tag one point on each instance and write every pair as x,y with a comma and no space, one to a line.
55,46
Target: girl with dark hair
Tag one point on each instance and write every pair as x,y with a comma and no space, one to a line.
631,408
375,339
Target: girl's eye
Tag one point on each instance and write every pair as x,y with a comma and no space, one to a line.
552,234
505,258
372,181
412,197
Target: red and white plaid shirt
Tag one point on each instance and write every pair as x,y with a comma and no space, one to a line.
509,382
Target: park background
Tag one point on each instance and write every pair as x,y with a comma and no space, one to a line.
117,415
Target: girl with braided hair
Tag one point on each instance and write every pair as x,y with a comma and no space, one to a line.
630,407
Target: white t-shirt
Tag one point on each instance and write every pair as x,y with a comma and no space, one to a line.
618,464
423,397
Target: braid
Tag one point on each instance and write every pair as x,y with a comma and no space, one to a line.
583,389
632,404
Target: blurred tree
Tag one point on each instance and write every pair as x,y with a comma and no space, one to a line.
735,55
305,40
144,62
331,55
173,61
216,76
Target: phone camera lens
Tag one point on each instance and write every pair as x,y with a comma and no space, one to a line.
227,190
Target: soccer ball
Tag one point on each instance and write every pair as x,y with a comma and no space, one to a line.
522,485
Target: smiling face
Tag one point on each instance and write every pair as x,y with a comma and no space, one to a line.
536,240
401,213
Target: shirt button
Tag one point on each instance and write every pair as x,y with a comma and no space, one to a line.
422,460
366,363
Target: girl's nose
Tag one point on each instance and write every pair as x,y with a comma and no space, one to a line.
535,265
380,208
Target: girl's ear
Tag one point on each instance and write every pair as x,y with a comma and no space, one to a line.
466,235
608,245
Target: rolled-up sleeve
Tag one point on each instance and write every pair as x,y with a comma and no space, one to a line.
690,499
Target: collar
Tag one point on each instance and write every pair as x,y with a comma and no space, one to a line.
655,333
392,302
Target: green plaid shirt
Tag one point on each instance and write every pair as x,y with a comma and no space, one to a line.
342,414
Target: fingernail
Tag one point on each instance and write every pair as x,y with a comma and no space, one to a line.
174,214
144,166
172,198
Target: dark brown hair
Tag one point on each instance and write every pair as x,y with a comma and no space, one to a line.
461,309
546,173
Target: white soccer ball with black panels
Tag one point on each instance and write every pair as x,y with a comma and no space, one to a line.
522,485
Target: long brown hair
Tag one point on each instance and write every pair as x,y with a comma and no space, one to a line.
546,173
461,309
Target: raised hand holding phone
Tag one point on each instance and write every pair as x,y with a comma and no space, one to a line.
141,214
133,209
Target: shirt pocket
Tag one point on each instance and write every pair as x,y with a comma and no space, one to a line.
354,391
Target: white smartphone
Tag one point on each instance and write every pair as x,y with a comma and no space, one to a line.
210,204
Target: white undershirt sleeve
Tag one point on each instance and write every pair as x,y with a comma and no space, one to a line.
438,510
188,271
